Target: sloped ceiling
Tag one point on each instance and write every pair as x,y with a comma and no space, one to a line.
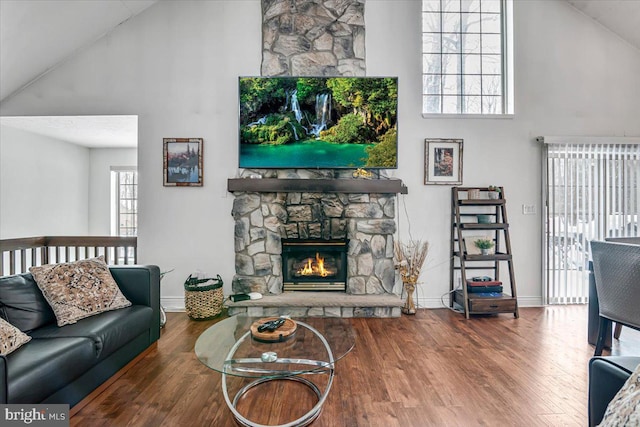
37,35
620,16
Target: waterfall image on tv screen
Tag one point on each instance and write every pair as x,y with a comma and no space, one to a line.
318,122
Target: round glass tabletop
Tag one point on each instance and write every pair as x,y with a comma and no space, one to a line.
317,343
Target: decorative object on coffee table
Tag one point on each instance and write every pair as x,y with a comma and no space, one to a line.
273,329
409,258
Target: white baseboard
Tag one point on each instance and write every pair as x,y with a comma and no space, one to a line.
530,302
172,304
176,304
437,302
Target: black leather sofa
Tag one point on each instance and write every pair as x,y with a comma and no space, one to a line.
65,364
606,377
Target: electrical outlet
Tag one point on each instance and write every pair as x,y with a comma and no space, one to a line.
528,209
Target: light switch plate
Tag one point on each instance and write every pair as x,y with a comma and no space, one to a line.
528,209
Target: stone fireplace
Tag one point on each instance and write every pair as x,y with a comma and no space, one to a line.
314,38
268,222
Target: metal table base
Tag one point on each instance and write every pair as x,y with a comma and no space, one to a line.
321,367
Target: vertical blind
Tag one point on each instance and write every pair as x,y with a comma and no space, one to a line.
592,193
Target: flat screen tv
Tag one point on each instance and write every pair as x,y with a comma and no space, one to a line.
318,122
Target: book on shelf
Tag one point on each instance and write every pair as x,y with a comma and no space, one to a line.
471,282
484,289
487,294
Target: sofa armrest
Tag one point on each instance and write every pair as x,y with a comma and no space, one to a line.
3,380
140,284
607,375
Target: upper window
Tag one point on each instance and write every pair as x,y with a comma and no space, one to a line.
466,57
124,185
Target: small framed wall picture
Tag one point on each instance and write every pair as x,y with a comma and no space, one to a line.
443,161
182,162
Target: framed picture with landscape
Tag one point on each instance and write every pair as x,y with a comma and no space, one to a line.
443,161
182,162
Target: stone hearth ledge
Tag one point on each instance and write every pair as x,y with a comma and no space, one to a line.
319,304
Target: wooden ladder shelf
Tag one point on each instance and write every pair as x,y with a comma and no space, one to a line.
465,225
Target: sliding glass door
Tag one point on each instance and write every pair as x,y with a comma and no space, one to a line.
591,193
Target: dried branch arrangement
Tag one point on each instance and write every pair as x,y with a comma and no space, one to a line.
409,259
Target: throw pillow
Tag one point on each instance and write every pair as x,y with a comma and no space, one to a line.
79,289
624,408
11,338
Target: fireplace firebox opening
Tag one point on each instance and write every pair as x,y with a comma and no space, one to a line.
314,265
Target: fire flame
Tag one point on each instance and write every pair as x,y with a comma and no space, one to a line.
314,269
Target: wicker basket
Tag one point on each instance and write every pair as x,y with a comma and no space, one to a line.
203,302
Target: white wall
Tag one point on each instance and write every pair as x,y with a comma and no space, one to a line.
38,196
101,160
176,66
572,77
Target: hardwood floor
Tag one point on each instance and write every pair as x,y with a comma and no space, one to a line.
432,369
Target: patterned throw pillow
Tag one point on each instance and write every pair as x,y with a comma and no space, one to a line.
11,338
624,408
79,289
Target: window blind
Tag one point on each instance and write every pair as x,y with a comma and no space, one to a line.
591,193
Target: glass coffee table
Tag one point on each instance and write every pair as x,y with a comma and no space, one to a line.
230,347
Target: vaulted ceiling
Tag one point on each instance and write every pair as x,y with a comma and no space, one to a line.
620,16
36,36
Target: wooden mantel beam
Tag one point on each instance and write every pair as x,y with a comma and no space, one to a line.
276,185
